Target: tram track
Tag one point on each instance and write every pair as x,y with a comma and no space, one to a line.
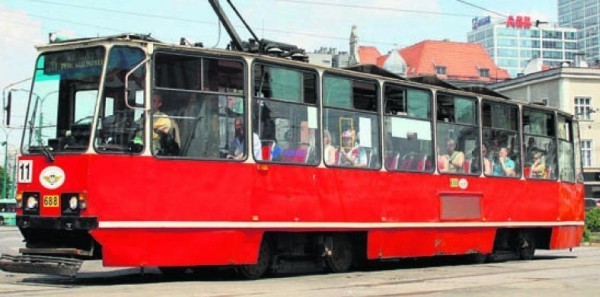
408,278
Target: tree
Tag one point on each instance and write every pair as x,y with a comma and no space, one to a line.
6,190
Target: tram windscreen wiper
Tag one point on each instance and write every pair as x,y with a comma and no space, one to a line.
45,150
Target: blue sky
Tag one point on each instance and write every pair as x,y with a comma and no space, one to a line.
309,24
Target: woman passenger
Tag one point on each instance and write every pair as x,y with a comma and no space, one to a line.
538,167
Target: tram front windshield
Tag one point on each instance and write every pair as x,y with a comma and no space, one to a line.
64,97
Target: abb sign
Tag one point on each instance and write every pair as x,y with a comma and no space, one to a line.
519,22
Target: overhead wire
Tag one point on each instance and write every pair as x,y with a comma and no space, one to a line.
166,17
483,8
378,8
68,22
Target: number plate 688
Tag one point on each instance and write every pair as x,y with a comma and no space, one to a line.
51,201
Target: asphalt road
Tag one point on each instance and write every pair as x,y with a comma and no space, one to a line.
551,273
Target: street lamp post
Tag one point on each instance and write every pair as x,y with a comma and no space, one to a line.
4,94
5,144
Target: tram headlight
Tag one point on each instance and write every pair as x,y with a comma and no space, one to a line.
19,199
73,202
32,202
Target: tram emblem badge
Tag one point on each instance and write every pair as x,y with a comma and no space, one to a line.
52,177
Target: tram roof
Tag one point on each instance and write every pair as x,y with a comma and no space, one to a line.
368,71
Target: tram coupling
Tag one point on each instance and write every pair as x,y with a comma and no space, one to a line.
40,264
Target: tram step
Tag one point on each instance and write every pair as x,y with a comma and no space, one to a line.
40,264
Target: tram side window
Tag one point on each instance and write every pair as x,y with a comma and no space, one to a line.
501,148
285,125
457,134
540,144
351,123
408,139
566,165
198,108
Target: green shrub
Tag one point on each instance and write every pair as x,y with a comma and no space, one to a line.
592,220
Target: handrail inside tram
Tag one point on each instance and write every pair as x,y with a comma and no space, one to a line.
126,97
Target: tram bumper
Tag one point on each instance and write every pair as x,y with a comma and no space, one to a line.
40,264
58,223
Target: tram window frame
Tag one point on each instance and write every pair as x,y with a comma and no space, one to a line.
565,123
121,121
393,117
282,147
577,151
346,115
448,120
545,133
500,129
203,92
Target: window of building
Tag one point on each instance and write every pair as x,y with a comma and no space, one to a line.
551,34
552,44
570,45
583,108
586,152
571,35
552,54
507,42
440,70
484,72
506,52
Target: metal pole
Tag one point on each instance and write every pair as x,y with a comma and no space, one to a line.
4,94
5,144
13,188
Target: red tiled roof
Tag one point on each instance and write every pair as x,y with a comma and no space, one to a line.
368,54
462,60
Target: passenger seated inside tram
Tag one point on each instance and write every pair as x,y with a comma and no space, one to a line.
456,159
329,151
165,135
442,161
351,154
237,147
487,164
538,167
505,166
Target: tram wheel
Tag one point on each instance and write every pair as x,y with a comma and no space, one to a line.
341,256
256,271
525,248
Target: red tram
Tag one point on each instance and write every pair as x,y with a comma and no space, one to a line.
142,154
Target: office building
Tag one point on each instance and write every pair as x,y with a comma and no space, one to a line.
583,15
518,40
